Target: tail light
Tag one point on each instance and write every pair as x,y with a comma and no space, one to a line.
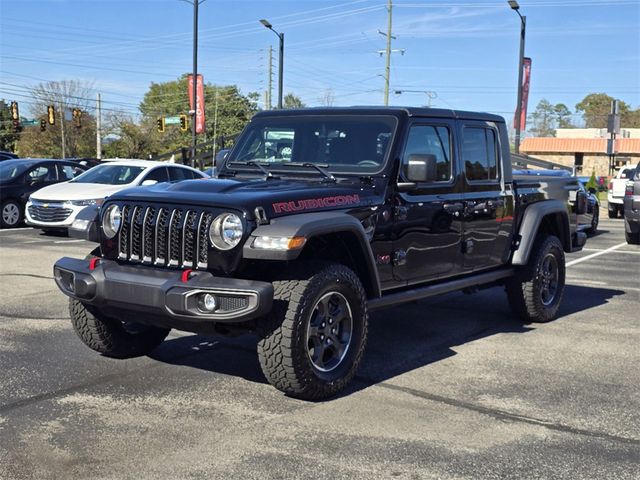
629,189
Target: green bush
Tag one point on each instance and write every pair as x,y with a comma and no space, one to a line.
592,181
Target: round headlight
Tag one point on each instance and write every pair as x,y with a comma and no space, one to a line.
225,231
111,221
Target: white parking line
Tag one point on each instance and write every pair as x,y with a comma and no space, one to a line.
16,229
597,254
68,241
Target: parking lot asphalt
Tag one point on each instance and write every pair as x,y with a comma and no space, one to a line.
450,387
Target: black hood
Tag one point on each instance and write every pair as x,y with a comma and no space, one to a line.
278,197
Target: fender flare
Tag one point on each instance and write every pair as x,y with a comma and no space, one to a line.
531,221
85,225
310,225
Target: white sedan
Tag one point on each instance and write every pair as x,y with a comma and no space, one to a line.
55,207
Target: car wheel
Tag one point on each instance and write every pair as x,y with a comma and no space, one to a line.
312,343
613,212
632,238
113,337
595,219
12,214
536,290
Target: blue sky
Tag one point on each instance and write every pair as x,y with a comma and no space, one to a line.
466,51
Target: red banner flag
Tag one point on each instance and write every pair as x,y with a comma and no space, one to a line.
526,80
199,102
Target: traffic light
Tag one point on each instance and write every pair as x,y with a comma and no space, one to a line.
43,125
160,123
15,115
183,123
77,117
51,115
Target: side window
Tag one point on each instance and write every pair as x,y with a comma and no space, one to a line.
177,174
430,140
479,153
42,173
67,172
158,174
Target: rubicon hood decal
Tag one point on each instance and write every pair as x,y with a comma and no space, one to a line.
315,203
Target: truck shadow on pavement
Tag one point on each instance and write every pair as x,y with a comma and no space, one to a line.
401,339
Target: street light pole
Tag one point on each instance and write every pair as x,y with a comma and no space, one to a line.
280,60
517,121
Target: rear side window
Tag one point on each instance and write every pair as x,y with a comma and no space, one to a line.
159,175
430,140
68,172
479,153
177,174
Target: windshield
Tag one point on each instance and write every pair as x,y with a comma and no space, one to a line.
342,144
10,170
109,175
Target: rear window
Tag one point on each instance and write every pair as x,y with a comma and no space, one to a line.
627,173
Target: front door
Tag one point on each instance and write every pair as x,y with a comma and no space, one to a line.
427,226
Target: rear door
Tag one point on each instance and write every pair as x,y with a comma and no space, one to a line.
427,226
486,238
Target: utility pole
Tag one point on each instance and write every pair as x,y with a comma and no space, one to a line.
98,128
280,59
64,146
387,69
388,51
270,77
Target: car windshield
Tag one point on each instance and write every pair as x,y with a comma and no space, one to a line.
10,170
110,175
340,143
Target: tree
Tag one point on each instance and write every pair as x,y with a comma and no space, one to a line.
543,119
227,111
292,101
562,116
328,98
8,137
596,107
64,95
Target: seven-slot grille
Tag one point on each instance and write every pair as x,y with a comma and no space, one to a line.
49,213
164,236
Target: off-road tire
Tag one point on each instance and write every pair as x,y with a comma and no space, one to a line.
283,346
525,290
109,336
632,238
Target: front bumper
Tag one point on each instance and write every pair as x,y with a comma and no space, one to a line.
167,297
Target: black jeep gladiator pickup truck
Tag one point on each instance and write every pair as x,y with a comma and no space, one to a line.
317,217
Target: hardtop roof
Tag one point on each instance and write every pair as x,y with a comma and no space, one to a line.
423,112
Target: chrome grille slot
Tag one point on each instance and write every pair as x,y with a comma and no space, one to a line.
188,238
49,213
123,248
136,233
175,237
161,236
203,239
166,237
148,230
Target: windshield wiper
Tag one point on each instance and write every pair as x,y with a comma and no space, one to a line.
319,168
253,163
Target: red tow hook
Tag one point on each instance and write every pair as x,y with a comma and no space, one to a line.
93,263
186,274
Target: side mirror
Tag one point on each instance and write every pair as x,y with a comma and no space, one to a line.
221,155
147,183
592,191
421,168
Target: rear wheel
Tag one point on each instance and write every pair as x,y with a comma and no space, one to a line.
312,343
112,337
632,238
536,290
11,215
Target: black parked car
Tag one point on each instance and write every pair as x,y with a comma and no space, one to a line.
19,178
7,156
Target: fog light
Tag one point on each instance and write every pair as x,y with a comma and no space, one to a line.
207,302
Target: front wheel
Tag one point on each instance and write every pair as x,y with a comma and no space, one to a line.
112,337
594,220
536,290
11,214
312,343
632,238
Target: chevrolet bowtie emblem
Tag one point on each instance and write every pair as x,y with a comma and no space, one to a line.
46,205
